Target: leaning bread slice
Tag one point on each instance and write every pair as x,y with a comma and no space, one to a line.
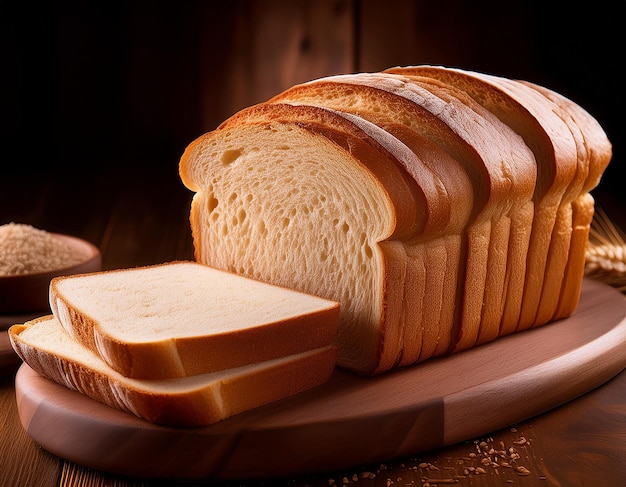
194,401
183,318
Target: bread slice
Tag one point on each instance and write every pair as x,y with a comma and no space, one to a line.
200,400
182,318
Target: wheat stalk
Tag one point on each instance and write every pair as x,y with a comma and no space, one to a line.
605,258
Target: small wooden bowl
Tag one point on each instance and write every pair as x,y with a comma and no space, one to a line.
28,293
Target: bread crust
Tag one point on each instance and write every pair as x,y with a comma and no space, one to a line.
595,152
187,402
205,350
563,166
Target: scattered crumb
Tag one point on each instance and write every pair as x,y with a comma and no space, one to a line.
485,456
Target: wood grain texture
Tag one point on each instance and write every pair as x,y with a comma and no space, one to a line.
22,462
267,46
579,443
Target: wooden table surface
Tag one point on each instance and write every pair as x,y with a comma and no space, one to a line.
582,443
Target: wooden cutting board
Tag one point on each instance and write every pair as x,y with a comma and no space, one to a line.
349,421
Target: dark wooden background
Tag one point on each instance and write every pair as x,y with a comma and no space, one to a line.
99,99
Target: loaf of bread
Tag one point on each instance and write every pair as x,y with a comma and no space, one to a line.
442,208
182,318
199,400
496,213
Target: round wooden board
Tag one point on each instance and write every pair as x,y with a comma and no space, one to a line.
350,420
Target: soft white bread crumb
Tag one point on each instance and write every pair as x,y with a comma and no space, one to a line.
184,318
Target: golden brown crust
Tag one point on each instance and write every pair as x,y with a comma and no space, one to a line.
598,145
540,129
201,352
188,402
555,132
595,156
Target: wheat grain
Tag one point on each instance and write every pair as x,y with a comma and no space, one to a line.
605,258
25,249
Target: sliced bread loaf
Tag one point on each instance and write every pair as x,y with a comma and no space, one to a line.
182,318
502,173
554,148
323,178
200,400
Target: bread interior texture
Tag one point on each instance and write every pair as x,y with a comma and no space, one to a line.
176,300
278,202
